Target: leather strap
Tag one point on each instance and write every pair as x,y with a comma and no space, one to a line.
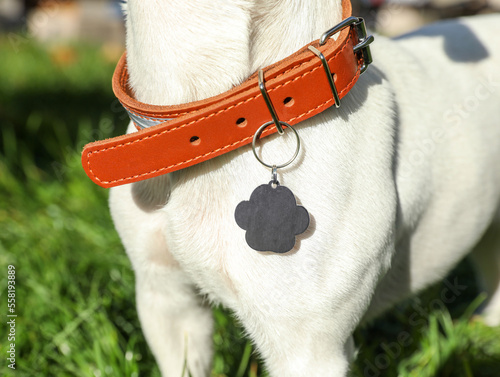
180,136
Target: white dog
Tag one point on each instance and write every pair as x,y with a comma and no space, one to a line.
401,181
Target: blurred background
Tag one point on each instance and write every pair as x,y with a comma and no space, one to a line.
75,286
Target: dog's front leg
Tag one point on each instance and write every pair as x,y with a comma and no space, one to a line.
301,309
301,347
176,322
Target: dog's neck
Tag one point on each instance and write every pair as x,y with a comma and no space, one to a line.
183,51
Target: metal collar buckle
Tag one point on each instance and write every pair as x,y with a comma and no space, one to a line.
362,48
364,40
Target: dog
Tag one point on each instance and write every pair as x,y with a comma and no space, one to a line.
401,183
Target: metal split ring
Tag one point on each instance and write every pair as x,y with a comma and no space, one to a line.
259,132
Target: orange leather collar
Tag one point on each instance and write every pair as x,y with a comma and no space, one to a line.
176,137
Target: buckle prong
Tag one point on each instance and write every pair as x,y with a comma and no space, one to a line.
329,75
262,87
364,48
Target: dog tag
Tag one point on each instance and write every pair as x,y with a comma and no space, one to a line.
271,218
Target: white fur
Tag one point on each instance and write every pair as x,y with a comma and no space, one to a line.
400,184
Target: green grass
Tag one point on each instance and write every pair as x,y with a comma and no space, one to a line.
75,287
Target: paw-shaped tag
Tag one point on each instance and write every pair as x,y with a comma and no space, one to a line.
271,218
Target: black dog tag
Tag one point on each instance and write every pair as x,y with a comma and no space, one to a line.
271,218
